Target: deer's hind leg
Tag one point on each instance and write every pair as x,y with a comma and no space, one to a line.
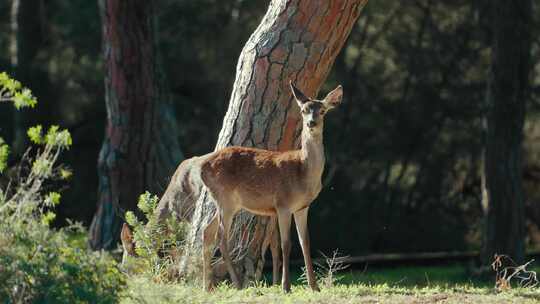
271,239
226,218
209,239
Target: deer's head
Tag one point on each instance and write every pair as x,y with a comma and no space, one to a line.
126,237
313,110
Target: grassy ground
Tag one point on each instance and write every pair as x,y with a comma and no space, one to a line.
449,284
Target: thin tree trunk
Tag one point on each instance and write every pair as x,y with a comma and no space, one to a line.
140,150
18,129
506,98
27,29
298,41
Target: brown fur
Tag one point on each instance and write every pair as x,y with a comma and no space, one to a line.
127,242
262,179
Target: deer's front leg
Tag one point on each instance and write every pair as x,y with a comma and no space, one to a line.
284,219
300,218
274,249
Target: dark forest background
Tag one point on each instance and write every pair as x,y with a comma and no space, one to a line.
403,152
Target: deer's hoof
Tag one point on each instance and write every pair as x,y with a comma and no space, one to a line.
238,285
315,288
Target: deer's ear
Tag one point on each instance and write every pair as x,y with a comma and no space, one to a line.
333,99
298,95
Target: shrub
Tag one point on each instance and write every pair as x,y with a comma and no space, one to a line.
158,246
38,263
327,272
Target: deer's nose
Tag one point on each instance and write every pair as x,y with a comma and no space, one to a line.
311,123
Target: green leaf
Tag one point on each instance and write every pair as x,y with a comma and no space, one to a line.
58,138
48,217
3,78
42,167
36,134
4,153
147,203
11,85
13,91
65,173
131,219
53,198
23,99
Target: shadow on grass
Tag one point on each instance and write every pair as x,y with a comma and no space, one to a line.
406,276
416,276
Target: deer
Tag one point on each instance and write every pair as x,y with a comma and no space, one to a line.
279,184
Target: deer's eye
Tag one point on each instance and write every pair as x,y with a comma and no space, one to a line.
322,112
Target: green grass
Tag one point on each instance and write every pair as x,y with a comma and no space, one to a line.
444,284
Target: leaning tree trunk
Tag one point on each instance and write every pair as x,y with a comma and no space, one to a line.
506,98
298,41
140,149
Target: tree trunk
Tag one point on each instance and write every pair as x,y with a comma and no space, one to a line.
24,42
506,99
18,130
298,41
140,150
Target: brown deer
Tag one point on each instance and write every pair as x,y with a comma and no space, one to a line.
268,183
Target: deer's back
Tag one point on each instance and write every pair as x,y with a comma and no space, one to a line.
254,176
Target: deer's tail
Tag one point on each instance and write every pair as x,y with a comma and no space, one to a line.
183,190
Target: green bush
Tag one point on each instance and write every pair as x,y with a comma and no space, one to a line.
158,246
40,264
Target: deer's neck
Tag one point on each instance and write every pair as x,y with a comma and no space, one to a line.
313,156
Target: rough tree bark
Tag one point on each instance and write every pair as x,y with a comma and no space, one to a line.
298,41
140,150
506,98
